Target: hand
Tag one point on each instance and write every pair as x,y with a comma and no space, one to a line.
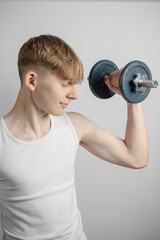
113,81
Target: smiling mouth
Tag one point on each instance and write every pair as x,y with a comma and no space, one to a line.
64,105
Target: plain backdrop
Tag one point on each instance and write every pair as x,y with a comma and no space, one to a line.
115,202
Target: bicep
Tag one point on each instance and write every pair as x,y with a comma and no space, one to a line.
101,142
107,146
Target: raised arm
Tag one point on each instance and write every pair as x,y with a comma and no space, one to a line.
132,151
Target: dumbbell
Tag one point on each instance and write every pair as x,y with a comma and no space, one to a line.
135,81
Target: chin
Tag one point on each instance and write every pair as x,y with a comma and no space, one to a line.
57,113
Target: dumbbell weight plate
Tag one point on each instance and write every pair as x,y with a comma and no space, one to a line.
96,78
126,84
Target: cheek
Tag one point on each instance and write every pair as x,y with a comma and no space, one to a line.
44,92
48,99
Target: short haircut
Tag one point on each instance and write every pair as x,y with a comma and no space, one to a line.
51,53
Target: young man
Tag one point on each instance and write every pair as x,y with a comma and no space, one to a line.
39,141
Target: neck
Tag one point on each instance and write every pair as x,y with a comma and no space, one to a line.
30,122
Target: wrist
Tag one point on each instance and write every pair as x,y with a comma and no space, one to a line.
136,105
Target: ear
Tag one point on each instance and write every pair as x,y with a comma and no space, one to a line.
30,80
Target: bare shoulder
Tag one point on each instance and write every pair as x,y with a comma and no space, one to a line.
79,120
81,124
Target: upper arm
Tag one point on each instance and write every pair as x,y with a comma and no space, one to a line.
101,142
82,125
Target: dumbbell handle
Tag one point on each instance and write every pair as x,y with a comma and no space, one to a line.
148,83
142,82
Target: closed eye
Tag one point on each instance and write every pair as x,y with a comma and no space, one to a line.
65,84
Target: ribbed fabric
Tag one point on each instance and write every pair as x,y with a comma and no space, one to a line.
37,184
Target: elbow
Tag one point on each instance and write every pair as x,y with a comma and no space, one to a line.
138,164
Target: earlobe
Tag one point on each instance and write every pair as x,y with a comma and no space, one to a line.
30,80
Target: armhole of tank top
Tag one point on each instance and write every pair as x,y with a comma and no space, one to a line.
72,128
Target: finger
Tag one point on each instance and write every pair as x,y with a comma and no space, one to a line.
108,80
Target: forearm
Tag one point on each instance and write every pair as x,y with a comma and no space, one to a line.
136,138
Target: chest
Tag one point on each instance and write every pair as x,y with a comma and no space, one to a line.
26,169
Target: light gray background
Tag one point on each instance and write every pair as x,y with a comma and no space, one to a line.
115,202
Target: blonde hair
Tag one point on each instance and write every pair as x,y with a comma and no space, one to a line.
47,52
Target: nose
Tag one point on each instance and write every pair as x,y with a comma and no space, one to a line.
73,93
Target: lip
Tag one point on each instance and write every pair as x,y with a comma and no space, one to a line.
64,105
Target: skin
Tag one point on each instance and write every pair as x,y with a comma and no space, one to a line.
38,98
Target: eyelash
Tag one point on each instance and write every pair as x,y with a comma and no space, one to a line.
65,85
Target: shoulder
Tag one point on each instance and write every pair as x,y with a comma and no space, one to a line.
74,116
81,124
79,120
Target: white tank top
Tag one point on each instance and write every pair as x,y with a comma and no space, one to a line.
37,184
